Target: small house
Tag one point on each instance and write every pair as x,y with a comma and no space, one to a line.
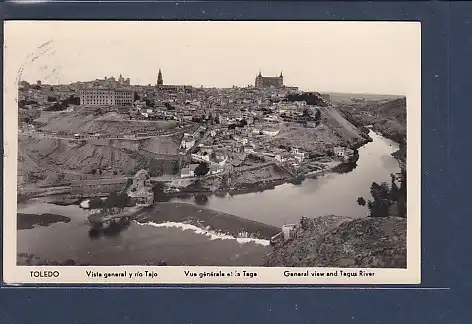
188,171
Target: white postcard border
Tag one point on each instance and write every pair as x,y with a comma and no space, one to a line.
13,274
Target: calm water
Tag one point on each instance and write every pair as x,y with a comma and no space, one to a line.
137,244
328,194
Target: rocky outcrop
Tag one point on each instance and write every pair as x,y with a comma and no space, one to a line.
333,241
333,130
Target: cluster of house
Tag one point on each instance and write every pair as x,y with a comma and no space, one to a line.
39,95
229,148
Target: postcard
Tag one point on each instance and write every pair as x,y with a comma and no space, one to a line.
165,152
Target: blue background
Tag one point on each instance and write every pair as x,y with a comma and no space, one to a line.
446,190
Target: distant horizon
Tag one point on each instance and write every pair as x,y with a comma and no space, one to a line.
204,87
345,57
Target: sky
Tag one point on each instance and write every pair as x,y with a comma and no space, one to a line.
350,57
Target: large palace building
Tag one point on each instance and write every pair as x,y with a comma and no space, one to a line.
103,96
268,82
107,92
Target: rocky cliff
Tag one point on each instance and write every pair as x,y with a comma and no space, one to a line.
333,241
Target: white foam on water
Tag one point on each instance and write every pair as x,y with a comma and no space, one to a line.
211,234
85,203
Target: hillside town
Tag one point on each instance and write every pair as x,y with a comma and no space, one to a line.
89,138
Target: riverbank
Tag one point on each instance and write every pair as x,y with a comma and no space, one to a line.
29,221
199,187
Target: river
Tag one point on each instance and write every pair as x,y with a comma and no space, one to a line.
137,244
328,194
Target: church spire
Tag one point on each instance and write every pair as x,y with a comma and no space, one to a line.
159,78
281,75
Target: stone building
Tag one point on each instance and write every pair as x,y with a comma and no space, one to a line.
268,82
97,187
103,96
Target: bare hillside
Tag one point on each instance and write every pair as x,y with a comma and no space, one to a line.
333,130
37,156
109,124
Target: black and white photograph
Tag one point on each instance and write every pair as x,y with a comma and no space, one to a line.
213,144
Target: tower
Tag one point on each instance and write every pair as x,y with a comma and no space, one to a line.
281,80
259,80
159,78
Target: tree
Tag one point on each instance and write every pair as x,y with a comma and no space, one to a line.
202,169
149,103
394,190
361,201
402,194
95,203
385,196
201,200
242,123
122,200
317,115
111,201
304,223
379,206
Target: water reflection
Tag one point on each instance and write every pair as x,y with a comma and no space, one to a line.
201,200
345,168
114,228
